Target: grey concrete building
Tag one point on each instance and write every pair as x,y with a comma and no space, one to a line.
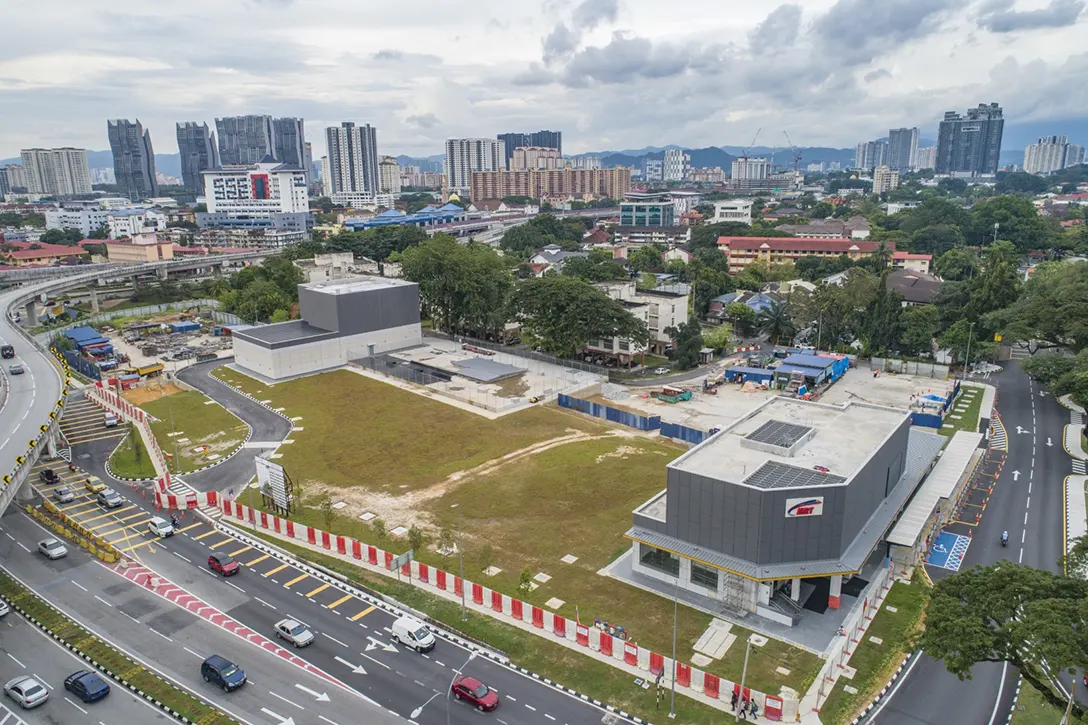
289,141
772,514
340,320
545,139
244,139
198,151
970,144
133,159
902,149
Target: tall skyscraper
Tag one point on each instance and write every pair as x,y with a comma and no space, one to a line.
308,161
1050,154
546,139
57,172
353,158
196,146
244,139
389,175
289,141
5,188
926,158
133,159
465,155
970,144
750,168
870,154
902,148
677,165
885,179
16,177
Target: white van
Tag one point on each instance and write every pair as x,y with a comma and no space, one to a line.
411,633
110,420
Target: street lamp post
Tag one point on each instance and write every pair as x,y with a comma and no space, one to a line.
461,560
967,362
450,689
675,606
744,671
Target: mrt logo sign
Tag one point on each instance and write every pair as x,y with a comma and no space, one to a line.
798,507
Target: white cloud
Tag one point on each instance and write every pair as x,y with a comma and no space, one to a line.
609,74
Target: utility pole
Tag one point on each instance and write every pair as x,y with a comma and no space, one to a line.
461,559
744,671
967,362
675,606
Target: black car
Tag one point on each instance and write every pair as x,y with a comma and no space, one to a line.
48,475
223,673
87,686
7,351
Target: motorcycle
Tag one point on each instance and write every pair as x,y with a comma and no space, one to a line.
1004,539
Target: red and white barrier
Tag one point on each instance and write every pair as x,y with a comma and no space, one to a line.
495,603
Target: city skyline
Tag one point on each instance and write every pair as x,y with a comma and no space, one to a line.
571,66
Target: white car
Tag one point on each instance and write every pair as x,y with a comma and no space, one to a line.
27,691
294,632
662,371
160,527
109,420
52,548
3,608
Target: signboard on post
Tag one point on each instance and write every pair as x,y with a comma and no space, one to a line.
275,485
401,560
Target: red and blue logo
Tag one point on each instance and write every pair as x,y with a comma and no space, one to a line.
805,507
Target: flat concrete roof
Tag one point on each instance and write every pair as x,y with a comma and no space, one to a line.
840,439
362,283
486,371
283,334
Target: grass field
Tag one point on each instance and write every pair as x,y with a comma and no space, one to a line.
203,425
117,662
362,432
874,662
1032,709
526,512
131,459
968,419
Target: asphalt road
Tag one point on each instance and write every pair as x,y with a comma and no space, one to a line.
173,641
267,428
29,651
1027,503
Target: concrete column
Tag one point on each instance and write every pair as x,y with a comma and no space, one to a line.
31,314
51,445
25,493
132,279
795,590
835,594
94,299
163,273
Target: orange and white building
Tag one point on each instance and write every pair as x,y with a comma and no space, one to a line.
743,251
912,262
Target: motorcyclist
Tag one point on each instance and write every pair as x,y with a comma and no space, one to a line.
1004,538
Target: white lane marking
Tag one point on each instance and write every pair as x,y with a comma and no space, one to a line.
9,654
243,591
102,600
23,546
884,702
550,717
333,722
42,680
264,602
1028,505
78,584
530,707
1020,559
161,634
334,639
377,662
281,697
1000,689
181,557
1025,518
75,706
9,536
1023,535
511,699
130,617
194,654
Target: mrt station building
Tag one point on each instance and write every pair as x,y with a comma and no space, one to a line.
785,505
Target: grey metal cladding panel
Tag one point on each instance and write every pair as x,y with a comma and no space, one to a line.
717,523
379,309
866,492
648,523
318,309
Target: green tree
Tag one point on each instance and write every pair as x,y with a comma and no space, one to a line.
464,286
259,300
67,237
565,313
774,322
1017,221
935,212
328,513
415,539
645,259
687,340
716,338
1020,182
1048,368
742,316
1032,619
920,324
936,240
599,266
280,316
378,525
1052,307
822,210
957,265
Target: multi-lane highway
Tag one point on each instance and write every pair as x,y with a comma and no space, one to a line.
1027,503
31,396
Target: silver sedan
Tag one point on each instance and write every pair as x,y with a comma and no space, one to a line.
294,632
27,691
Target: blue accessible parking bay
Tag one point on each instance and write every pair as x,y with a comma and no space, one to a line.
948,551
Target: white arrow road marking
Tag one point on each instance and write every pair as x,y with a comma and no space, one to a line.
282,720
374,644
356,669
1048,442
1016,475
319,696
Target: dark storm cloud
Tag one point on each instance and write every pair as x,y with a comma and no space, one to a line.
560,42
426,120
626,58
781,28
997,16
857,31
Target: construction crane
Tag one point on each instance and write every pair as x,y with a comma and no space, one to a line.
797,177
745,149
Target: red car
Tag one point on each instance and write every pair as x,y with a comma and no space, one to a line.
223,564
472,690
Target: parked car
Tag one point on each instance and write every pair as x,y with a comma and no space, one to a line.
223,564
109,498
3,608
64,495
87,686
223,673
52,548
411,633
16,369
662,371
94,484
160,527
27,691
109,420
7,351
471,690
294,632
48,475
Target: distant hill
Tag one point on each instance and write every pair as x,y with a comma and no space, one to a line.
168,164
425,163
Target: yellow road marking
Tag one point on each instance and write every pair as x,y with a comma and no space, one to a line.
191,526
204,535
296,580
279,568
77,441
137,546
339,601
320,589
236,552
79,508
363,613
224,542
258,560
126,527
135,516
122,510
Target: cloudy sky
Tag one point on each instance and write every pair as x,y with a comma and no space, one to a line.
610,74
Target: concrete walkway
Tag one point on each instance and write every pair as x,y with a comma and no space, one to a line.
1067,401
1074,443
1076,510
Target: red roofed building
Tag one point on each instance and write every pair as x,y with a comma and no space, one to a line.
742,251
26,254
912,262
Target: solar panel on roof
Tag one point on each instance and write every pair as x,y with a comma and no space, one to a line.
774,474
777,433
